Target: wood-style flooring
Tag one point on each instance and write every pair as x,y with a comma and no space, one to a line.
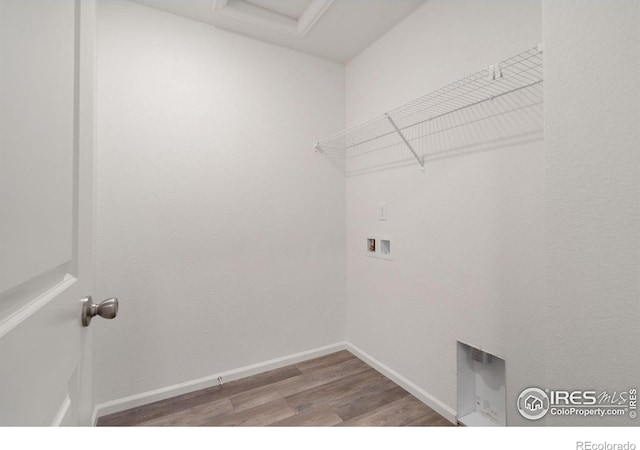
337,389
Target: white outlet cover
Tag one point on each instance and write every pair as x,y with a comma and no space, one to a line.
382,211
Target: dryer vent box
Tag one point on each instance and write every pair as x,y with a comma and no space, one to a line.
482,396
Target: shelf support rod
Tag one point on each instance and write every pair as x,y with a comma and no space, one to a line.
415,155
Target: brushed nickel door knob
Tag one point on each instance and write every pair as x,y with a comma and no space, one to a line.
107,309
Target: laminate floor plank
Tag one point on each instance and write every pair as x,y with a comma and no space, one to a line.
427,420
397,413
327,374
442,422
256,397
324,361
333,390
161,408
260,380
196,416
294,385
372,398
255,417
323,416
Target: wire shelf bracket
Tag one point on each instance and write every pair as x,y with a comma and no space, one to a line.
404,139
512,85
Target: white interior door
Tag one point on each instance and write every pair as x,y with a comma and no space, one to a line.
46,209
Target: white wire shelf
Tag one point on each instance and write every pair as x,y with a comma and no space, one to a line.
418,129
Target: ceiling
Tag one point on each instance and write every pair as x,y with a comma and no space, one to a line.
289,8
334,29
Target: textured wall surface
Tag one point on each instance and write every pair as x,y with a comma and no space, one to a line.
219,228
468,234
592,142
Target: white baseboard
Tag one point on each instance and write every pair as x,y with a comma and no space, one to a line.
63,411
155,395
431,401
94,416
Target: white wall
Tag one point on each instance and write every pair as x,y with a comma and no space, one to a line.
468,235
219,228
592,140
224,235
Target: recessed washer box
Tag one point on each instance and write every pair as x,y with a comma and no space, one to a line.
379,247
